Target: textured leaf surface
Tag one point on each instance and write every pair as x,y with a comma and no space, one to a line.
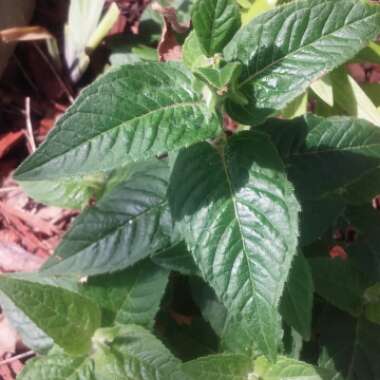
350,347
69,319
58,367
219,367
286,49
349,96
128,114
31,335
132,296
340,283
136,354
215,22
290,369
125,226
239,217
326,155
297,300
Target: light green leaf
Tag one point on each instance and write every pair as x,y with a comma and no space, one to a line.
352,99
136,354
129,114
132,296
297,107
349,346
370,54
193,56
339,283
219,367
69,319
297,300
324,90
256,8
215,22
75,192
373,92
125,226
58,367
240,219
288,48
219,78
326,155
290,369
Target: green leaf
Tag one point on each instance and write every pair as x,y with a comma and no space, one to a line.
75,192
193,56
290,369
69,319
240,218
297,300
215,22
58,367
317,216
219,367
351,98
136,354
350,347
297,107
372,303
125,226
339,283
176,258
324,90
288,48
129,114
255,9
132,296
31,335
370,54
326,155
219,78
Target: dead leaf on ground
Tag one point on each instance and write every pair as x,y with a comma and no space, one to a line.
168,48
24,33
14,258
8,337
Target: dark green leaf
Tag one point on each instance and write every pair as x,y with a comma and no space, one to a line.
125,226
297,300
316,218
215,22
129,114
325,156
69,319
340,283
132,296
240,219
219,367
176,258
350,347
286,49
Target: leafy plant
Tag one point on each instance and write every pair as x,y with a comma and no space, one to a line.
238,225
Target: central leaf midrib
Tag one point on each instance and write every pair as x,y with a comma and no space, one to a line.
237,217
253,76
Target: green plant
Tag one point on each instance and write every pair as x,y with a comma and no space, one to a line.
244,220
